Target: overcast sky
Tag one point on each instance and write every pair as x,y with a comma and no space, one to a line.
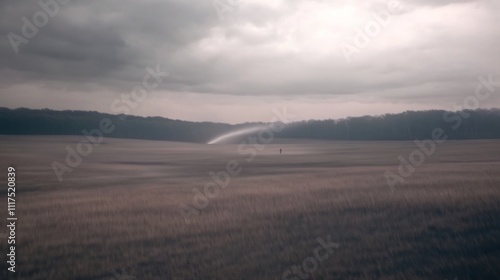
237,60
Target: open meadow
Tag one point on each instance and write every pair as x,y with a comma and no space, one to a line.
118,212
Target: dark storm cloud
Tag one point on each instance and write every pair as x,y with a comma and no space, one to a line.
100,40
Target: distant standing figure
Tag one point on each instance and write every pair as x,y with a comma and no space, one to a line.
280,151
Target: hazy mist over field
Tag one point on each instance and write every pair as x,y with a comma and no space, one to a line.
250,139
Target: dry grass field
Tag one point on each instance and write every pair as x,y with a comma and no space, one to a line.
120,210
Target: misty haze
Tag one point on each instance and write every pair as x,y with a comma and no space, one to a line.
250,139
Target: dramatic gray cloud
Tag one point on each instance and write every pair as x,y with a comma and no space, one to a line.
310,55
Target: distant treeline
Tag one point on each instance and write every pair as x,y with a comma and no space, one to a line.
49,122
411,125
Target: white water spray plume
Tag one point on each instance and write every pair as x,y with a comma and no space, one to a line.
236,133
